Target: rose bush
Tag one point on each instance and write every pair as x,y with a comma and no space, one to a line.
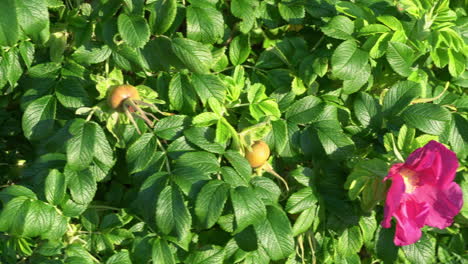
341,92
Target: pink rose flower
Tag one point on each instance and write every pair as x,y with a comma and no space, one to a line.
422,193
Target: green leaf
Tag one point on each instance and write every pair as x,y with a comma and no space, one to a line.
171,127
212,255
223,131
364,175
82,185
39,219
13,215
45,70
103,160
190,178
240,164
134,30
266,189
358,11
361,77
458,138
27,52
244,8
368,225
275,234
77,254
405,138
339,27
206,162
55,187
204,139
205,119
92,56
11,67
210,202
208,86
239,49
347,59
384,246
400,57
422,251
301,200
33,17
304,110
122,257
291,11
373,29
71,93
456,64
280,132
233,178
9,27
161,253
172,215
367,111
350,241
399,97
335,143
16,190
159,55
80,148
379,47
182,94
38,118
142,153
304,221
204,24
163,14
195,56
429,118
248,208
391,22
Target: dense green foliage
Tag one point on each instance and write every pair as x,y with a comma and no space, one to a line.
339,90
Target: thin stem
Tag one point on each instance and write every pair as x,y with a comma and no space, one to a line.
152,106
247,130
300,241
311,245
318,43
142,113
168,165
239,105
253,67
427,100
105,207
90,115
270,170
130,117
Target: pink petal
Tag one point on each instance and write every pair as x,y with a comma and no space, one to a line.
434,163
410,220
444,204
394,194
448,162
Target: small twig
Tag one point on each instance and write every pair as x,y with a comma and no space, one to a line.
142,113
132,120
168,165
90,115
247,130
427,100
300,241
318,43
311,245
270,170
